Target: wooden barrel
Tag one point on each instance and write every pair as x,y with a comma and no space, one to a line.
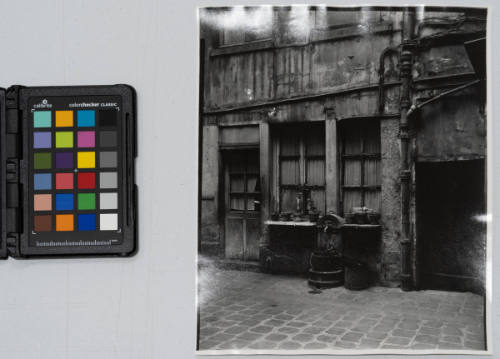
330,279
357,277
325,271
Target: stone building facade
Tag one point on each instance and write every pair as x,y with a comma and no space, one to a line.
341,108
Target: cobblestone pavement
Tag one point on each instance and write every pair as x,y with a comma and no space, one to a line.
256,311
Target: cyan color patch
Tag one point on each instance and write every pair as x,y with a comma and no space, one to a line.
86,118
86,222
43,181
42,119
64,202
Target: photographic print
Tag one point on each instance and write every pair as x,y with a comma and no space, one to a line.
342,180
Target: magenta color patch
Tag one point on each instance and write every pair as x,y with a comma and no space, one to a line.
86,139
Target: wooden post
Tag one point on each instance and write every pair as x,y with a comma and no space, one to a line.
332,172
265,179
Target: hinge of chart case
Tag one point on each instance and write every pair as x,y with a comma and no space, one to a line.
13,149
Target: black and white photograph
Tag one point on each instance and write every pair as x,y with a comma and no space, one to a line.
343,180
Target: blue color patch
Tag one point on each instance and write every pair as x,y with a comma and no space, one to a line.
64,201
43,181
86,222
42,119
86,118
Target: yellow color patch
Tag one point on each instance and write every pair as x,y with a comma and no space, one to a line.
64,118
86,159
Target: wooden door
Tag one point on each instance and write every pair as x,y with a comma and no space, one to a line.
451,237
242,204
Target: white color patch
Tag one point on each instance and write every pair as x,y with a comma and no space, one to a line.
108,222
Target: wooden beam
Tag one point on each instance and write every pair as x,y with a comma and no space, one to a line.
332,172
265,178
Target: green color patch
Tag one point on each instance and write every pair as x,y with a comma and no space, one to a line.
86,201
64,139
42,160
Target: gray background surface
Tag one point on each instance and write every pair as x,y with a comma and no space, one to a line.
140,307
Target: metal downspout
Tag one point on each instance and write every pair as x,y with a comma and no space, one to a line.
406,60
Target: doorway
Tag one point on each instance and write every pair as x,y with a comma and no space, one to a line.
451,237
242,204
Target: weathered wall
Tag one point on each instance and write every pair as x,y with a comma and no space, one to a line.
390,215
313,61
210,239
452,128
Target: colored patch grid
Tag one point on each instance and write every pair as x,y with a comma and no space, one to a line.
63,137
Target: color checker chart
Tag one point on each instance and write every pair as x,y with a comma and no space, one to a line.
68,181
75,170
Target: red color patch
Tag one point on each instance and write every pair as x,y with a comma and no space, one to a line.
64,180
86,180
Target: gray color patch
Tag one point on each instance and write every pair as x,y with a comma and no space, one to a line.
108,159
107,139
108,200
108,180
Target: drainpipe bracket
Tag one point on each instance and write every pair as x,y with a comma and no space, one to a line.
403,132
405,175
405,241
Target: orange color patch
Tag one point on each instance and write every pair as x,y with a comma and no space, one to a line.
64,118
64,222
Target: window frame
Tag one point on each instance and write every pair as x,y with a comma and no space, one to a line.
363,157
302,157
245,194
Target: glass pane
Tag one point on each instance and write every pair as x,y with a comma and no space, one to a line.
237,165
315,142
253,164
237,183
237,202
371,134
289,145
253,203
288,202
315,172
352,140
252,184
372,172
318,198
289,172
372,200
352,198
352,173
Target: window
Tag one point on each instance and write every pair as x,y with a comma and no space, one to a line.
243,180
361,170
301,168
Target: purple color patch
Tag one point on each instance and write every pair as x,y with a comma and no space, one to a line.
64,159
86,139
42,139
